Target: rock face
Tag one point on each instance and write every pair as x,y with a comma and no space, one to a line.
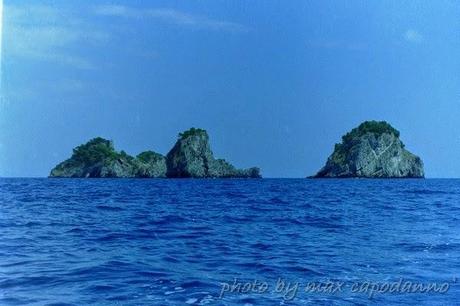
372,150
191,156
150,164
98,158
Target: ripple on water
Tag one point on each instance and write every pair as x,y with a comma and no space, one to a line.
175,242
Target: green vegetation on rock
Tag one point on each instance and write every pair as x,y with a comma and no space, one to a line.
192,132
98,158
94,150
191,156
373,149
149,156
150,164
374,127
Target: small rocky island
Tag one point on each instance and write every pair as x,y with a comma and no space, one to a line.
372,150
191,157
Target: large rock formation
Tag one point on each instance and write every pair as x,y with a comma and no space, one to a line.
98,158
150,164
191,156
372,150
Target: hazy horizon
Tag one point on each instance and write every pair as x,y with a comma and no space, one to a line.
275,84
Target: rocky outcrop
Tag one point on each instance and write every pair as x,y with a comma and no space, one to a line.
150,164
221,168
98,158
191,156
372,150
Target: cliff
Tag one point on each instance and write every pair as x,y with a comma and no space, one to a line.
98,158
372,150
191,156
150,164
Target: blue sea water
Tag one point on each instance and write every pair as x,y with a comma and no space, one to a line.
198,242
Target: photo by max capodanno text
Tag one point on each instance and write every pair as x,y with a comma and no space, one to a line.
289,289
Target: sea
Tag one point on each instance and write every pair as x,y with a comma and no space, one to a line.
229,242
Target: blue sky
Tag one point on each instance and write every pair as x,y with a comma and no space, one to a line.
275,83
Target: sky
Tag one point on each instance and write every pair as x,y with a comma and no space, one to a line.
275,83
